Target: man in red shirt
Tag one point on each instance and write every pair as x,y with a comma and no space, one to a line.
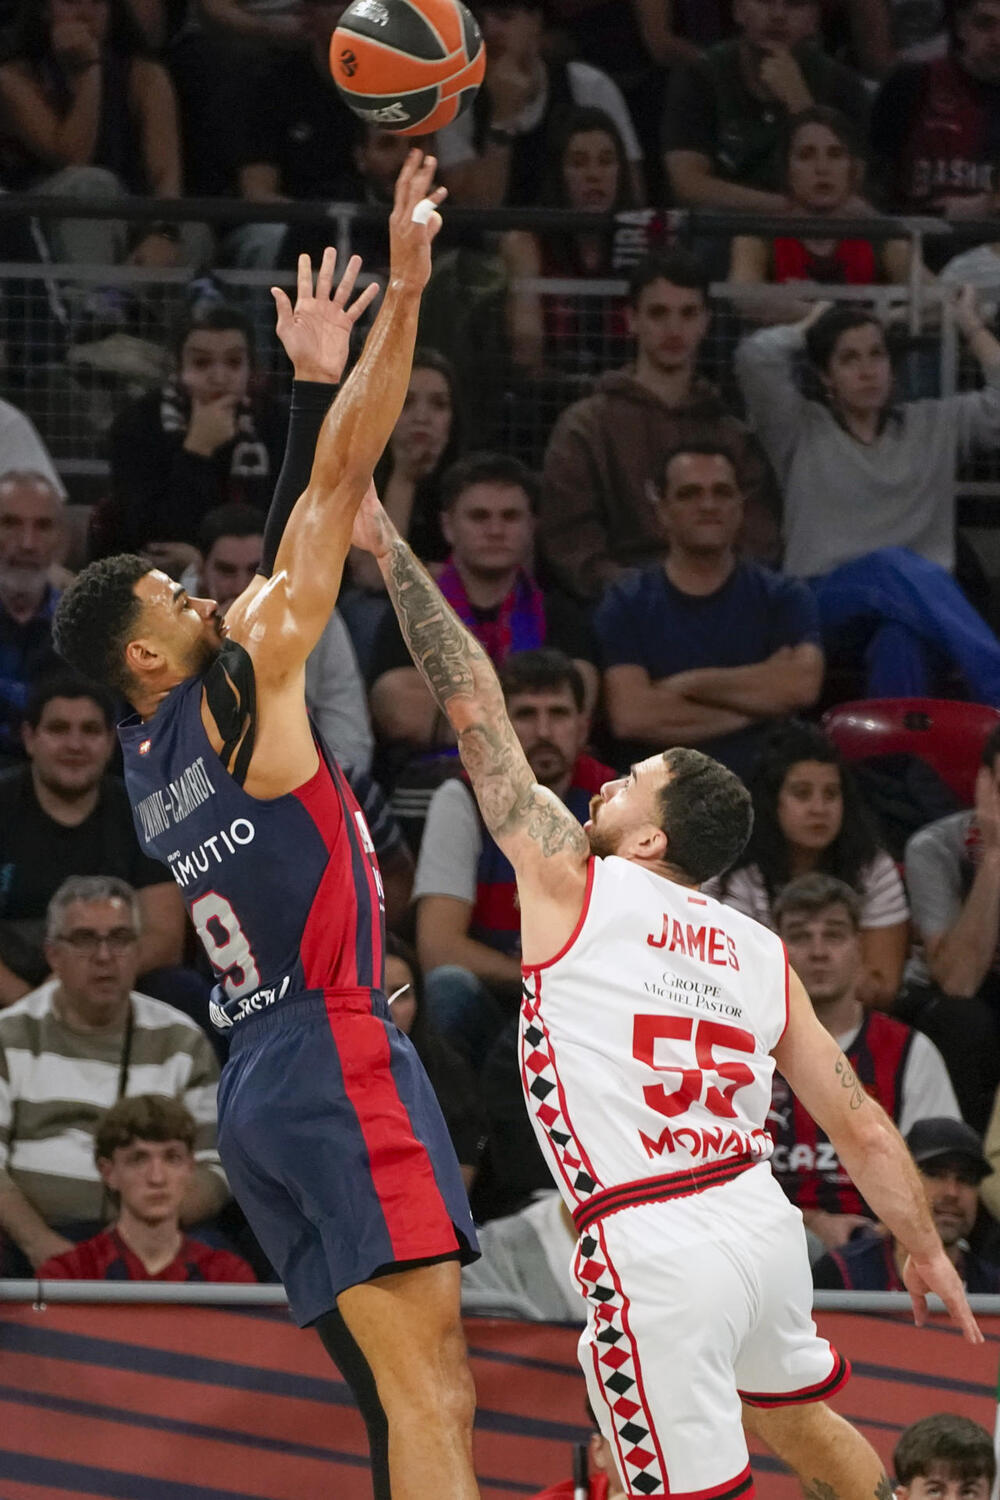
144,1148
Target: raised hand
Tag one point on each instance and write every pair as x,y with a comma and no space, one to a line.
410,240
316,332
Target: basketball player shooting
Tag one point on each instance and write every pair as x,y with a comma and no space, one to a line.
329,1131
651,1021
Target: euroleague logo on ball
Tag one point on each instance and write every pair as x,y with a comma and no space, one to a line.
411,66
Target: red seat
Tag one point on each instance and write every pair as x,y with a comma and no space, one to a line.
945,733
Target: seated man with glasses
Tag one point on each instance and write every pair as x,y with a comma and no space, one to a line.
68,1051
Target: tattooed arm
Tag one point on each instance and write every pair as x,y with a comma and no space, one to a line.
873,1153
533,828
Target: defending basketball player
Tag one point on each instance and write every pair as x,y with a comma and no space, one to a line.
651,1021
328,1129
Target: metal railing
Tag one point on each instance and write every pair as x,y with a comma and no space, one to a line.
80,342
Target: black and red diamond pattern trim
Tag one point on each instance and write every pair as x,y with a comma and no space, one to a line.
616,1369
543,1096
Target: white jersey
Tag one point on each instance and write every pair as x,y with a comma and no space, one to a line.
645,1043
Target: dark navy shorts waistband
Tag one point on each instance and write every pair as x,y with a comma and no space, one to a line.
303,1008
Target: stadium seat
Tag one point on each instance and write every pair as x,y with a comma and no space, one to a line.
946,734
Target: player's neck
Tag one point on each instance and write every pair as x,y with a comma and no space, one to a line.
156,1245
69,809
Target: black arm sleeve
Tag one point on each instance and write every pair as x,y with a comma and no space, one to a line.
310,403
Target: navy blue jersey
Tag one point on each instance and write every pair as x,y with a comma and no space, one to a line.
285,894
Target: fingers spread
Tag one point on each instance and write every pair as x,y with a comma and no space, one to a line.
305,278
363,300
324,280
346,285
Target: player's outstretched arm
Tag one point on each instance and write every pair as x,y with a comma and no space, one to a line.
874,1154
528,821
281,622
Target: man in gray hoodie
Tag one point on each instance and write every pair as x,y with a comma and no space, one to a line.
599,514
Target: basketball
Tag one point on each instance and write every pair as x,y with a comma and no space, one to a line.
409,66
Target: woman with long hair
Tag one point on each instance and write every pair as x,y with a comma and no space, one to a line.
824,172
808,815
587,172
426,439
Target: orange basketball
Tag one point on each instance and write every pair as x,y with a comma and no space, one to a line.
410,66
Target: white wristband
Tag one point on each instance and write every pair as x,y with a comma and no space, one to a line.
422,213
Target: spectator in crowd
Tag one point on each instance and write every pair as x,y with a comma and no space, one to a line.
207,437
449,1073
818,917
823,170
488,506
32,523
934,123
230,540
944,1457
71,1049
300,143
425,442
524,1270
144,1149
88,111
862,32
468,920
706,648
22,450
809,819
953,982
587,172
869,488
62,814
598,518
949,1157
496,153
727,113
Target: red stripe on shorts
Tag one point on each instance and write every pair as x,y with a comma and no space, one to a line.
415,1215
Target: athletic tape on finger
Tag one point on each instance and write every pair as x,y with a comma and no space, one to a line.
422,213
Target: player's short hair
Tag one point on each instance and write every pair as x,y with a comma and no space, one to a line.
95,615
541,671
706,813
489,468
235,518
67,685
965,1448
678,267
810,894
144,1117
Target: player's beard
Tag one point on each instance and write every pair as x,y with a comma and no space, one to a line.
602,841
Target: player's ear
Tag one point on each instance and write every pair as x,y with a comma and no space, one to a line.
140,656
